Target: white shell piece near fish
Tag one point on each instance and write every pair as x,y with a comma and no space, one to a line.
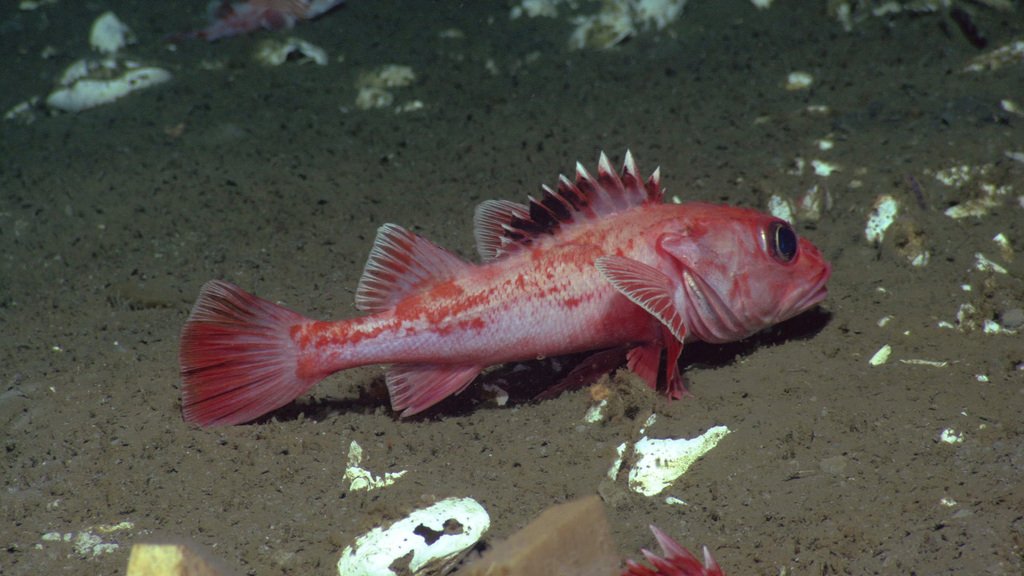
373,553
362,479
662,461
780,207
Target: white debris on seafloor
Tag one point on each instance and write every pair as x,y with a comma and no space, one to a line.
387,76
882,215
91,82
808,207
375,88
951,436
1005,248
360,478
967,319
274,52
989,195
881,356
983,264
799,81
595,413
432,536
23,112
109,34
663,461
823,168
369,98
1008,54
660,462
614,21
88,83
88,542
29,5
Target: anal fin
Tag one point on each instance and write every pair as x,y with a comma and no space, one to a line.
588,371
416,387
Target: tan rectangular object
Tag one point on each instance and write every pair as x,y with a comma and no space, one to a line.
571,539
167,560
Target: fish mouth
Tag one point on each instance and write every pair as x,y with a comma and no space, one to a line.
813,295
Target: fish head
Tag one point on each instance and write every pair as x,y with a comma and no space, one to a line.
737,271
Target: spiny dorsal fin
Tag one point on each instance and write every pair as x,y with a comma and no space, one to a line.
489,223
400,264
503,227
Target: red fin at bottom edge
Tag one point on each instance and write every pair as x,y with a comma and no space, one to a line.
675,561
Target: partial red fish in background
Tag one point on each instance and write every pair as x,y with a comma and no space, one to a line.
674,561
596,265
241,18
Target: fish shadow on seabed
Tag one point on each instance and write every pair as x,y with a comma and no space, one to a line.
525,381
704,356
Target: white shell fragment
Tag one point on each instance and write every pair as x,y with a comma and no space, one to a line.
983,264
780,207
596,412
614,21
370,98
799,81
90,83
809,206
387,76
22,112
602,30
109,34
361,478
822,168
613,471
662,461
1005,55
657,14
273,52
882,215
882,356
951,436
451,526
374,88
1005,248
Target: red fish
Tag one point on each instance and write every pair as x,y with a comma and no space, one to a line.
596,264
677,561
241,18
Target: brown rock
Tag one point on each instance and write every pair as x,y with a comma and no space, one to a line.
571,539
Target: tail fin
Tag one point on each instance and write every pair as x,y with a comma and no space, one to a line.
238,359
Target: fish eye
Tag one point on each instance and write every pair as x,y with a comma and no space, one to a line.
782,242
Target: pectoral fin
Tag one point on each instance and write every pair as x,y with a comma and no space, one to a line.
648,288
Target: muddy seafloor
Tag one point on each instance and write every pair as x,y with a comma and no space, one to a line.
272,179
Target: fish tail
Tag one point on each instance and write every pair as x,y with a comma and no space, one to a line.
238,359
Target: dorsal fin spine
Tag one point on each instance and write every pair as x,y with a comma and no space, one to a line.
569,203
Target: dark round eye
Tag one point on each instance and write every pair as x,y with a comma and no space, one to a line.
782,242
